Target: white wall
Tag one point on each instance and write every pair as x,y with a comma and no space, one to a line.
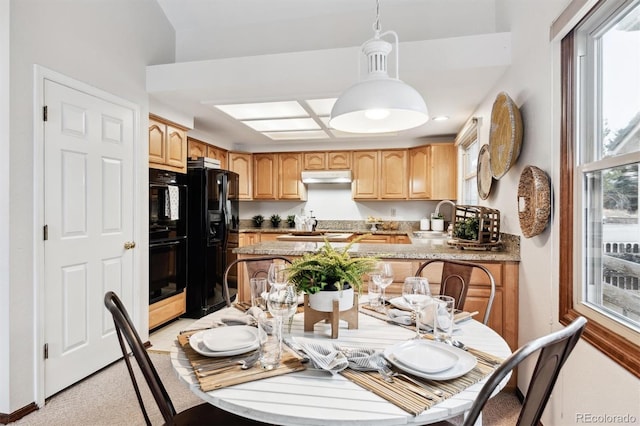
334,202
4,207
106,44
591,382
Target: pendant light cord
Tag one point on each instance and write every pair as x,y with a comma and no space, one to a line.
376,24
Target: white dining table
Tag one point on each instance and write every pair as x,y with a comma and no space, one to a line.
316,397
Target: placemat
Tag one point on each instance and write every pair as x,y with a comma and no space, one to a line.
234,374
412,398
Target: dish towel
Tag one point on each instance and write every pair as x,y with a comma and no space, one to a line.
334,359
173,204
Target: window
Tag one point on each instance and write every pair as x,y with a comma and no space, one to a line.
599,221
469,148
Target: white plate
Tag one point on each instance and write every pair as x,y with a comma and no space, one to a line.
229,338
196,341
465,363
425,356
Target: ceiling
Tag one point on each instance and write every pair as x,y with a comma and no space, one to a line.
244,51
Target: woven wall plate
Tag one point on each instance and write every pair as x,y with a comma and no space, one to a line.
534,201
484,178
505,135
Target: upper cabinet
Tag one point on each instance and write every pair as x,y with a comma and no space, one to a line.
242,164
379,175
277,176
331,160
197,148
432,172
167,145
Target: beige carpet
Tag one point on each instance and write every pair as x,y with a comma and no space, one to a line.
107,398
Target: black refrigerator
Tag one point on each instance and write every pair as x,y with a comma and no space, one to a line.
212,235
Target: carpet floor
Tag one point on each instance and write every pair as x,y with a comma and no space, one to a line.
106,398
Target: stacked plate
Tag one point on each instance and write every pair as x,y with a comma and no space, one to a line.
430,360
225,341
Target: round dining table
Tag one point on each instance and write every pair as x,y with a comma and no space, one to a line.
317,397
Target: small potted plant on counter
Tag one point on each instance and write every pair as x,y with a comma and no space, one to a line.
291,220
275,220
329,274
257,220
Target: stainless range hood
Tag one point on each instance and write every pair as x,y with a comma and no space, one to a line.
326,176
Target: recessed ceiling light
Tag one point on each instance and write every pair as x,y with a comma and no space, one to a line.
440,118
255,111
283,124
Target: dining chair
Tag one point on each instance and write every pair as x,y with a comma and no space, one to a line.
554,349
256,267
197,415
455,281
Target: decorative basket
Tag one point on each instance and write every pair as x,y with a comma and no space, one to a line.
534,201
505,135
477,224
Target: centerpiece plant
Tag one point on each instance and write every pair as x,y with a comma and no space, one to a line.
330,269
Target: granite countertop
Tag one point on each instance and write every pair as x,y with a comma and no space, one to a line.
270,230
424,249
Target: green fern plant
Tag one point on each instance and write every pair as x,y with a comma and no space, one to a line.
330,269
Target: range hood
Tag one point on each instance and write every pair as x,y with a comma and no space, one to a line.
326,176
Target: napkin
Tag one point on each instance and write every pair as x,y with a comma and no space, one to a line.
334,359
247,318
400,316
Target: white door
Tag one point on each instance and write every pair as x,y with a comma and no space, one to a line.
88,211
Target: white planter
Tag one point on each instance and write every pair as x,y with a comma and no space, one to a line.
437,224
322,301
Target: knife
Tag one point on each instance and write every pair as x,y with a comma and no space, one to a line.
297,349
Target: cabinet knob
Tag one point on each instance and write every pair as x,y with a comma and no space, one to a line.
129,245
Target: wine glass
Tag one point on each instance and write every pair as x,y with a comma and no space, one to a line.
277,274
383,276
417,294
282,303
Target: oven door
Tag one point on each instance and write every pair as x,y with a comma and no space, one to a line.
167,268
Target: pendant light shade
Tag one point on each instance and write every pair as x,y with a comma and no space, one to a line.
379,103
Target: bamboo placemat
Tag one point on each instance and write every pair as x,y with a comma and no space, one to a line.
234,374
402,393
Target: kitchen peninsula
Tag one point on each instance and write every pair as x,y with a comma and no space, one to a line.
406,258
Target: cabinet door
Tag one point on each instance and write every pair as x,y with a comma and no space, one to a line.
315,160
376,239
265,176
393,178
290,186
242,164
443,170
196,148
177,148
218,154
157,136
401,239
365,171
339,160
418,171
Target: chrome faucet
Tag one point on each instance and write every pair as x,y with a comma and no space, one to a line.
453,209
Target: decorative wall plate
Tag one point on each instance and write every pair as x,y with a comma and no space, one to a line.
505,135
484,178
534,201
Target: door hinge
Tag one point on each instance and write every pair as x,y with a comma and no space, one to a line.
44,113
45,232
46,351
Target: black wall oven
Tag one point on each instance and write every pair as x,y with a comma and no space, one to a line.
167,234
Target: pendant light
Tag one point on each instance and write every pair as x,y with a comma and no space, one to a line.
378,103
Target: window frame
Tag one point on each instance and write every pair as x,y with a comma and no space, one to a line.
469,136
613,344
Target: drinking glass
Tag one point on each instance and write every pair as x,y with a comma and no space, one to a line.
417,294
374,294
277,274
383,276
443,310
282,303
258,288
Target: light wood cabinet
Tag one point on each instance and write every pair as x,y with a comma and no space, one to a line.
167,145
339,160
277,176
376,239
365,175
401,239
218,154
315,160
248,239
290,186
432,172
167,309
242,164
197,148
393,174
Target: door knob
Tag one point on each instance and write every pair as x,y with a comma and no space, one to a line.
129,245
